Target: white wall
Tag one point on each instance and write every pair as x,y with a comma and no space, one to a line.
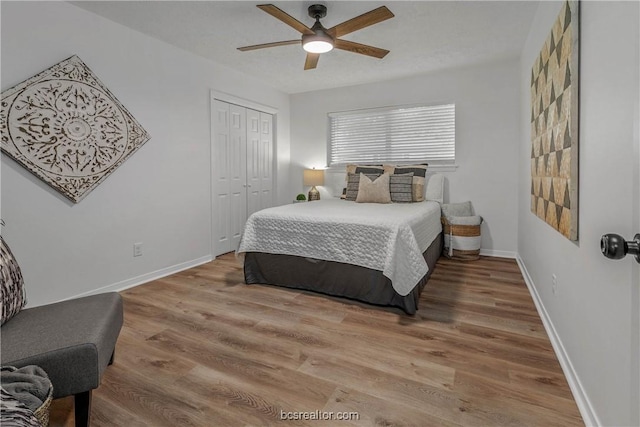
161,196
592,311
487,105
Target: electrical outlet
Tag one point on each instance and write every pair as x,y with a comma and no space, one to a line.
554,283
137,249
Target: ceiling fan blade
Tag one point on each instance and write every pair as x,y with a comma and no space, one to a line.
366,19
285,17
311,61
362,49
274,44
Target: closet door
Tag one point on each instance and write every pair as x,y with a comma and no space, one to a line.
237,173
221,199
229,175
242,150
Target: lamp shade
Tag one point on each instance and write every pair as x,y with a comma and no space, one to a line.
313,177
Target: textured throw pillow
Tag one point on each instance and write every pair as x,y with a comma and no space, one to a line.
400,188
370,191
353,184
419,173
358,169
11,282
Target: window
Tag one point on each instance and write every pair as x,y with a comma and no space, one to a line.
405,134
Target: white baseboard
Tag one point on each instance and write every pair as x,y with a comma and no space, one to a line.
585,407
499,254
144,278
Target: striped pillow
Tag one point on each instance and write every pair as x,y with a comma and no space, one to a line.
13,292
419,173
400,188
353,183
357,169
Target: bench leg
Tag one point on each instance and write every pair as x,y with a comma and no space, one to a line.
82,408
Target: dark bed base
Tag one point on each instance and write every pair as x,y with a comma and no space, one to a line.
335,278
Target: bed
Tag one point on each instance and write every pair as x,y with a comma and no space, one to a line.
380,254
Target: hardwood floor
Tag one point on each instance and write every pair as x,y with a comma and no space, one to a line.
201,348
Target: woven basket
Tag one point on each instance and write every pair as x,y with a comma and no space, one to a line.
42,413
462,242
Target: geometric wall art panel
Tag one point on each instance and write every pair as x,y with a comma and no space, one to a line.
554,125
64,126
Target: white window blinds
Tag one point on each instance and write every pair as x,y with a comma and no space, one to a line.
393,135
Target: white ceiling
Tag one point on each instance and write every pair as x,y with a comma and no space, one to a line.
423,36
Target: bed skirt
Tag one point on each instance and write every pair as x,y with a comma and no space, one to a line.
335,278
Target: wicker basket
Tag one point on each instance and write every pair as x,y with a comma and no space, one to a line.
42,413
461,242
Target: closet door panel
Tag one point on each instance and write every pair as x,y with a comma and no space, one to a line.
253,162
266,160
237,172
222,209
221,179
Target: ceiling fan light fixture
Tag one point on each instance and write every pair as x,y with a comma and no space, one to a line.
317,46
319,42
317,39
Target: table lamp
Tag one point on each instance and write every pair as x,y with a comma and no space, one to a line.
314,177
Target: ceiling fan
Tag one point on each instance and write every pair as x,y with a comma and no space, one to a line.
317,39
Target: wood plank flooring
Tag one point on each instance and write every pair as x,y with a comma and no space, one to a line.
201,348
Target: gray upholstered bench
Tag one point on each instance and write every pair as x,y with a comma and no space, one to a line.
73,341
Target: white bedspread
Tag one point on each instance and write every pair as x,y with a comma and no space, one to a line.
385,237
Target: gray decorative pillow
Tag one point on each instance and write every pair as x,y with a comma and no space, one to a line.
400,188
353,183
11,282
358,169
419,173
